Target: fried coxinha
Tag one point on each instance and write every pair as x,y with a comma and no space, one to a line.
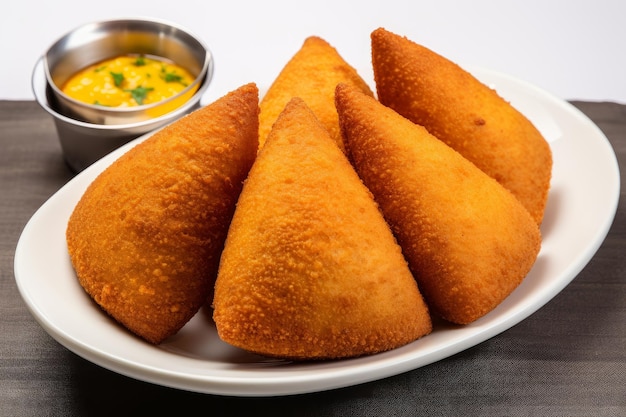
469,116
311,74
468,240
310,269
146,236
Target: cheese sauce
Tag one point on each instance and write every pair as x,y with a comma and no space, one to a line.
128,80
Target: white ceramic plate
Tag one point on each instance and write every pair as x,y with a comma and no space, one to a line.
580,210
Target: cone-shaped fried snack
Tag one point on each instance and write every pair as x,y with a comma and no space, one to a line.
311,74
310,269
457,108
146,237
468,240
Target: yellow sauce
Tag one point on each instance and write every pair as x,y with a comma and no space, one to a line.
130,80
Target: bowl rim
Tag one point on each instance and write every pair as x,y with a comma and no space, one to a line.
204,76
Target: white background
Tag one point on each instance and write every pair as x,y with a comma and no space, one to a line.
573,49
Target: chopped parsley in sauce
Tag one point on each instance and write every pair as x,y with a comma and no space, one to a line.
128,80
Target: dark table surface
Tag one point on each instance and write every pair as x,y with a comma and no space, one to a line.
567,359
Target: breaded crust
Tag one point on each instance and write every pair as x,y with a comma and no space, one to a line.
311,74
468,240
469,116
146,236
310,269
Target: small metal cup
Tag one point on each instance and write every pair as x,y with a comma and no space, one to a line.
95,42
87,132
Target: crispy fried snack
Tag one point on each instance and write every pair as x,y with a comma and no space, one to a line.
312,74
310,269
468,240
146,236
451,104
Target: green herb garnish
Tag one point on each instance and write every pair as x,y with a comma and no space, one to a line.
140,61
103,67
171,77
139,94
118,78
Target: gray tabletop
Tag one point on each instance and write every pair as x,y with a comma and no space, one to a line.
567,359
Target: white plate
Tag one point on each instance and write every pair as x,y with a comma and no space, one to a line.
581,207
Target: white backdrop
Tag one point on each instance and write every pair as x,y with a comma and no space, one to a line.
574,49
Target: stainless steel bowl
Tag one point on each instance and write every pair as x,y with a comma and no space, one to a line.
87,133
95,42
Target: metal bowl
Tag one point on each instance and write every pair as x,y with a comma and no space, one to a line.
87,133
95,42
